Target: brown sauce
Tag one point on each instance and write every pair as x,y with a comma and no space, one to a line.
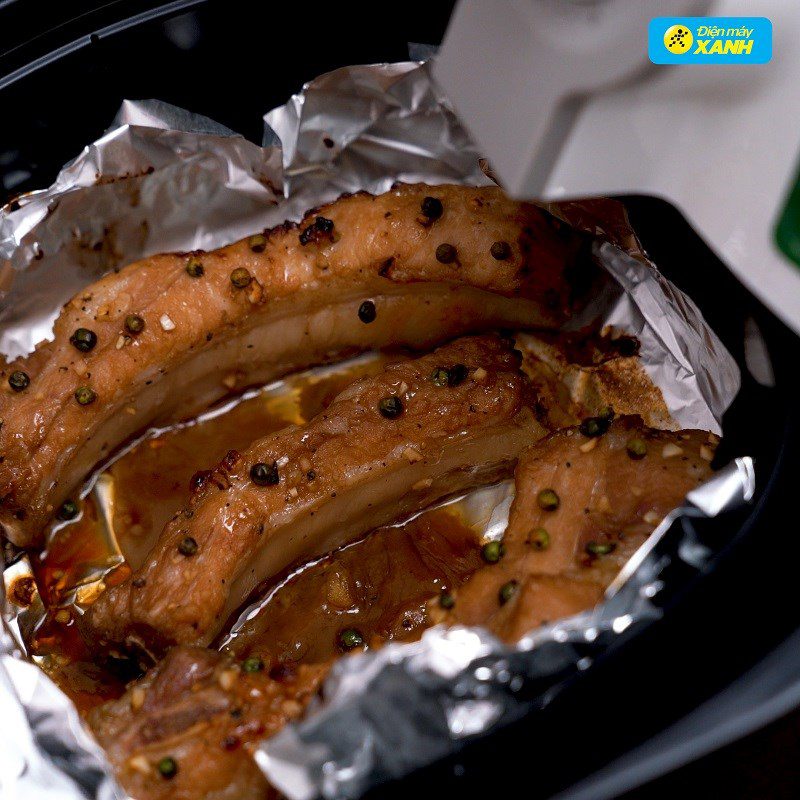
379,586
151,482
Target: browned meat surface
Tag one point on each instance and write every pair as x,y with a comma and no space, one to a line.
281,518
611,491
389,444
187,729
577,375
150,483
378,587
376,590
167,336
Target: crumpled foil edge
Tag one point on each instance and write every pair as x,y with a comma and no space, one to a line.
47,751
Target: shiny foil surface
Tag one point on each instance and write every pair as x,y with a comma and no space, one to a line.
163,179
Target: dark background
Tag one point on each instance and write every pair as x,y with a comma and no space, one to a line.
232,60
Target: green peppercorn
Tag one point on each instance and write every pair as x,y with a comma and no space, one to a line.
445,253
391,407
548,500
350,638
432,207
167,767
446,600
264,474
83,339
595,426
253,664
187,546
500,250
85,395
241,278
440,377
19,380
540,539
457,374
492,552
600,548
257,243
67,511
637,448
195,268
507,591
367,312
590,427
134,324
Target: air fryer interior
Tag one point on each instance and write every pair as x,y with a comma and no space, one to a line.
233,60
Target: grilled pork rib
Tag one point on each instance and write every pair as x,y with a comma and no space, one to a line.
563,549
183,709
387,445
169,335
185,731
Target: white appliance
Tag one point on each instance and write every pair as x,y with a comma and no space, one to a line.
563,98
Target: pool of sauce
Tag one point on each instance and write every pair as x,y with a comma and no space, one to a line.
151,482
379,585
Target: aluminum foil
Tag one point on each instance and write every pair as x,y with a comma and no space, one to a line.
163,179
159,179
46,752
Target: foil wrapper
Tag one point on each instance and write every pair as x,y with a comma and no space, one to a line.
164,179
46,751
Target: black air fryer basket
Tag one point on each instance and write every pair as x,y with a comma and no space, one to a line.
722,662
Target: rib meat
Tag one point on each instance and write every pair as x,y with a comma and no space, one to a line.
387,445
609,503
186,730
358,274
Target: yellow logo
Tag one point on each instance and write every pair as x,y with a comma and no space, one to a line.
678,39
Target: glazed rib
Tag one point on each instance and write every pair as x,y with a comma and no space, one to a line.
361,273
350,469
200,713
608,501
